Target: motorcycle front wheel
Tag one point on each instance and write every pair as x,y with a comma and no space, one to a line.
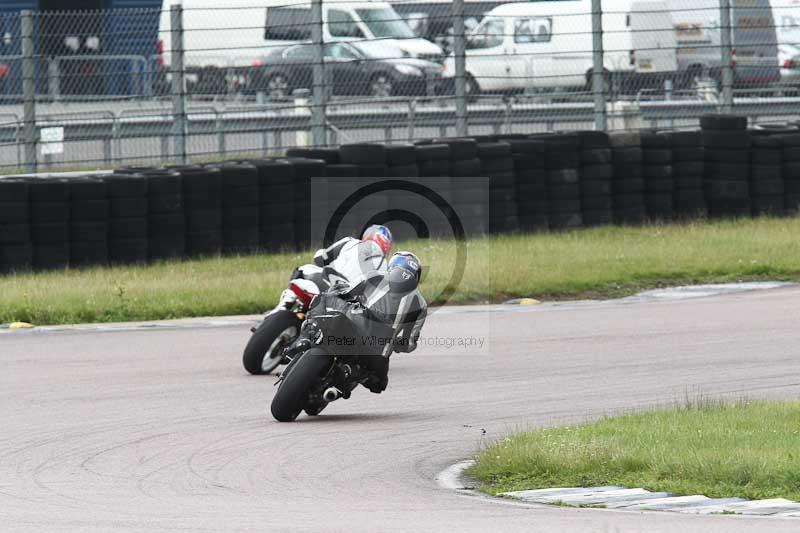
264,351
292,394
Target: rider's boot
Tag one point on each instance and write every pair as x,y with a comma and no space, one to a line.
379,380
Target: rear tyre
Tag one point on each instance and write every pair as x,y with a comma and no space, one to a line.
316,409
264,351
292,395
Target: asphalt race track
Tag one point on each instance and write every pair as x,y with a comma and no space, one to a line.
162,430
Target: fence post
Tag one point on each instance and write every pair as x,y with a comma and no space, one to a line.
28,90
460,80
598,71
178,87
54,78
725,28
318,129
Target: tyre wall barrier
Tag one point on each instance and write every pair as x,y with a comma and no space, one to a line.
535,183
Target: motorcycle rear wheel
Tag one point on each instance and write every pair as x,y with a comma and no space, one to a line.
264,351
292,394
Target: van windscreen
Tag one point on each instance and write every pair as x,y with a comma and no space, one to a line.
385,23
288,24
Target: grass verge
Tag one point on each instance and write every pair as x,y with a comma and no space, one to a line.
601,262
745,449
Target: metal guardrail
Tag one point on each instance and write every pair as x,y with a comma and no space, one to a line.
276,120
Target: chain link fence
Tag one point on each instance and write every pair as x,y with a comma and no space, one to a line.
199,82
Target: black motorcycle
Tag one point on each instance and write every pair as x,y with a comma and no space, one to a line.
331,356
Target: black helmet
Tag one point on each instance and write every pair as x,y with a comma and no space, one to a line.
404,272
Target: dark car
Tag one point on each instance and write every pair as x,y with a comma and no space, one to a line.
348,70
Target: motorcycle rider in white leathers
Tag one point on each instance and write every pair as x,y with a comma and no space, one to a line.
348,260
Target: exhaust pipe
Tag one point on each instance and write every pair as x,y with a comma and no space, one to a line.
331,394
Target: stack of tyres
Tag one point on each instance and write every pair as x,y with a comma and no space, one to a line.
202,202
435,164
303,192
128,213
166,222
50,210
659,182
370,159
89,210
790,145
329,155
531,182
498,165
240,208
628,183
276,203
372,162
727,144
402,161
464,160
470,191
766,174
433,160
140,170
563,181
327,195
342,170
596,177
16,250
330,194
688,168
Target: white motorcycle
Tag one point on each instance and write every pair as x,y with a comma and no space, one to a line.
266,349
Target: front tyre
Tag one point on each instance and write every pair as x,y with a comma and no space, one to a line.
264,351
292,395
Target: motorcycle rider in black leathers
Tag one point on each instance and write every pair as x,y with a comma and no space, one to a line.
393,299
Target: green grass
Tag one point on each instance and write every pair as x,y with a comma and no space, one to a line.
603,262
744,449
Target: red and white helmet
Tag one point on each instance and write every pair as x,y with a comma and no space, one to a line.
381,236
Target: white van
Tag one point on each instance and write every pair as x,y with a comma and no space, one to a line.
787,21
753,39
237,34
548,45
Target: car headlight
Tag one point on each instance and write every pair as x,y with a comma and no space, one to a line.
408,70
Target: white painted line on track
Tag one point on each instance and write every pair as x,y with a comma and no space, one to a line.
616,498
451,478
638,499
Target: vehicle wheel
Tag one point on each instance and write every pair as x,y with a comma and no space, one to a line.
607,83
472,89
277,87
264,351
292,395
381,86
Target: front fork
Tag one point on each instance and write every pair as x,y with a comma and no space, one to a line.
287,302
